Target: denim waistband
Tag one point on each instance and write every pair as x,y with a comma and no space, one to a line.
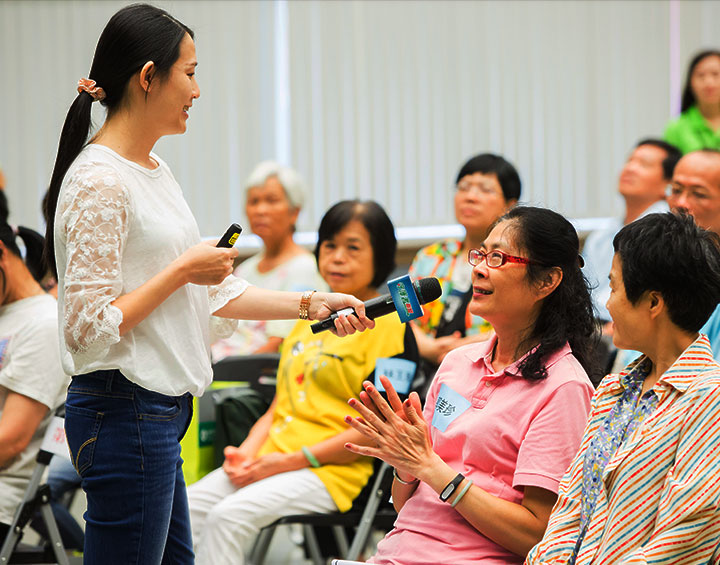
112,380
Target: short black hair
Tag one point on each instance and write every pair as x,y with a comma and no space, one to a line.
670,254
672,154
487,163
376,222
688,96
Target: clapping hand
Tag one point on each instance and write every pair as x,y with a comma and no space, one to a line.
397,431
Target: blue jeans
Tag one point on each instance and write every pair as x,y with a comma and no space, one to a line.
124,443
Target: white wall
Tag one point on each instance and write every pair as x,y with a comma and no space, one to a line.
378,100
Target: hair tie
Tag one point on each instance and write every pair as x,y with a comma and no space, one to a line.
89,86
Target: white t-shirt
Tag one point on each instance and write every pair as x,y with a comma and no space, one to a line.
117,225
29,365
299,273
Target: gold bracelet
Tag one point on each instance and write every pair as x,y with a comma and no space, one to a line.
305,304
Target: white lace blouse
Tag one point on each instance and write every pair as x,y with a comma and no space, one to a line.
117,225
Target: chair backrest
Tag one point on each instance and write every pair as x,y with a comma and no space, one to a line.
54,441
237,408
259,371
36,497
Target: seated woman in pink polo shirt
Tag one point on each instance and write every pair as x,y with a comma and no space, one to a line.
477,474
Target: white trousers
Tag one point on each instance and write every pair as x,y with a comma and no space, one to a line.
226,520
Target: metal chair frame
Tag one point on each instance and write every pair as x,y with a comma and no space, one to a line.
364,521
36,497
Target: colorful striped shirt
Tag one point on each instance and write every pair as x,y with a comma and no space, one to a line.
661,497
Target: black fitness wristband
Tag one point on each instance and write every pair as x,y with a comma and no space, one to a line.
451,486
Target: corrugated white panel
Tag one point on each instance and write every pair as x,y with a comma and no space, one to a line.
378,100
563,89
45,47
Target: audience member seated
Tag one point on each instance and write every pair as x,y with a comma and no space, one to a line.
696,190
642,185
32,382
487,186
643,487
273,199
503,418
293,461
698,126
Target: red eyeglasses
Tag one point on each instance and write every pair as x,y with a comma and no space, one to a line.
495,258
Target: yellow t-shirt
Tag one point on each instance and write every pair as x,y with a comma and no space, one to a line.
316,377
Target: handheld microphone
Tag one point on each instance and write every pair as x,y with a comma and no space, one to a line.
230,236
427,290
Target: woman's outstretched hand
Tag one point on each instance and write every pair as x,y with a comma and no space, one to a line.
397,432
323,304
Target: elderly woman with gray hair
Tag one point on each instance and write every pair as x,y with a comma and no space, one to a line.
273,199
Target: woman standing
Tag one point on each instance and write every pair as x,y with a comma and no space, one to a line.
137,288
503,418
698,126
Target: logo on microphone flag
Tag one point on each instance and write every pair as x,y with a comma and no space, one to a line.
405,299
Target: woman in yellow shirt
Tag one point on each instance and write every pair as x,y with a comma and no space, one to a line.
293,461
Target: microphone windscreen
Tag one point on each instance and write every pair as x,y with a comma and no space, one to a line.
428,289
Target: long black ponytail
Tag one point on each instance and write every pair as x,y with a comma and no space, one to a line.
135,35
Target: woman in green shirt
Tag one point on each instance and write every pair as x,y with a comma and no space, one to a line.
698,126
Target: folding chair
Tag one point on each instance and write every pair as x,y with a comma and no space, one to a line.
235,409
371,509
258,371
37,497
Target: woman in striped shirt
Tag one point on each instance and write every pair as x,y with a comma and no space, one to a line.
644,486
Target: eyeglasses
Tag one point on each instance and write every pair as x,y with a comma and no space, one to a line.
692,193
484,189
495,259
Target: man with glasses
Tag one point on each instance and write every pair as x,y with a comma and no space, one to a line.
642,185
695,189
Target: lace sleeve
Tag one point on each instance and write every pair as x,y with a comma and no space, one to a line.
93,215
219,296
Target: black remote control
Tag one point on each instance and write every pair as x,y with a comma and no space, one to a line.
230,237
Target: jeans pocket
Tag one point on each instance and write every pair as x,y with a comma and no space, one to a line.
82,427
155,406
